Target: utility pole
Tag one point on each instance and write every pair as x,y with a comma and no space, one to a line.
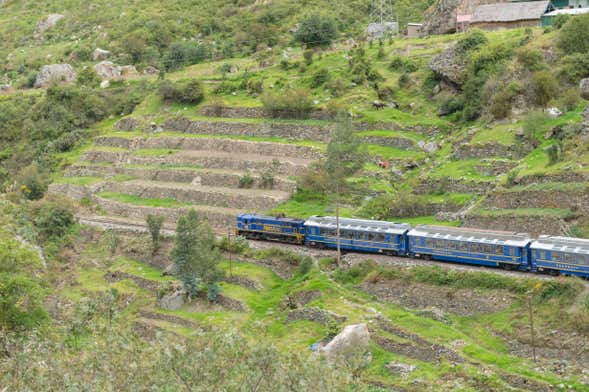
533,334
337,231
383,20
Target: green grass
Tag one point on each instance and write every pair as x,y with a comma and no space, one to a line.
136,200
415,137
82,181
393,153
140,269
526,212
503,134
155,152
460,169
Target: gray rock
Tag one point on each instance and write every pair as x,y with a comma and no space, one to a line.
450,66
430,147
553,113
352,340
54,73
105,84
401,368
47,23
107,70
5,87
100,54
584,88
172,301
150,70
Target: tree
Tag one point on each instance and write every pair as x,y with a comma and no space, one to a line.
573,37
195,256
344,159
155,224
544,87
316,30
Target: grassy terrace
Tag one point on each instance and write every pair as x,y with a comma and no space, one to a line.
142,201
530,212
460,169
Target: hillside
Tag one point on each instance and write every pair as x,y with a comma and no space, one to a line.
222,112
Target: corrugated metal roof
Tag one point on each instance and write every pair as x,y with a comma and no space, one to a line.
510,12
472,235
569,11
358,224
562,244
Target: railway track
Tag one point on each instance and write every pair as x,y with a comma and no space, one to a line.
136,226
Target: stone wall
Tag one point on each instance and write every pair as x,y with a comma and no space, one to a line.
487,150
541,178
533,225
574,199
433,185
220,197
494,167
198,176
225,145
398,142
253,112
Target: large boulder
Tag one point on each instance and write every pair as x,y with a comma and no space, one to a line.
100,54
352,340
48,22
584,88
450,66
440,18
55,73
172,301
107,70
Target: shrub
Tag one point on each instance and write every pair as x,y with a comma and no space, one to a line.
67,141
33,184
404,80
474,39
452,105
237,244
155,224
246,181
53,219
560,20
573,37
534,124
570,99
575,67
189,92
319,78
305,266
88,77
184,53
316,30
308,55
531,59
553,153
356,273
402,64
544,87
336,86
292,103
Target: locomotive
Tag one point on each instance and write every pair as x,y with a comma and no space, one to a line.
552,255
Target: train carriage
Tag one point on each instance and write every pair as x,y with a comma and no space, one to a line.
357,235
471,246
260,227
561,255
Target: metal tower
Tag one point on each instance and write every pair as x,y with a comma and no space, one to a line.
383,20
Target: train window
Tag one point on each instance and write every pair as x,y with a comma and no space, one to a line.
380,237
464,246
499,249
488,248
429,243
570,258
440,244
543,254
370,236
322,232
556,256
474,248
350,235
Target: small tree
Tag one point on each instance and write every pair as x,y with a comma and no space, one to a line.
195,256
88,78
316,30
573,37
155,224
344,159
545,87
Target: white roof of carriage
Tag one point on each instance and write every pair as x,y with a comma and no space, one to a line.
562,244
358,224
471,235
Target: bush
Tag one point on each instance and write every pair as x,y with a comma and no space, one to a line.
316,30
237,244
305,266
553,153
336,86
531,59
88,77
452,105
474,39
308,55
189,92
183,54
560,20
534,124
402,64
53,219
292,103
573,37
570,99
155,224
319,78
575,67
33,184
246,181
544,87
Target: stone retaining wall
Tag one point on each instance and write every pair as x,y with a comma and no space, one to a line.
433,185
481,151
540,178
255,112
197,176
289,131
244,199
494,167
398,142
533,225
283,167
575,199
224,145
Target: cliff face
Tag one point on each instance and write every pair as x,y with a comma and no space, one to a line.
440,18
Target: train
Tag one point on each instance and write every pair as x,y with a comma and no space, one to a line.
553,255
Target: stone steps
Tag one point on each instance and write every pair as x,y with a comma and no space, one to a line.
257,199
205,177
211,144
287,166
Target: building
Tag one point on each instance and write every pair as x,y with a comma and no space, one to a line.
414,30
570,3
548,18
510,15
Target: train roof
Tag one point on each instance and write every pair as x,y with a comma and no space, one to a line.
561,244
472,235
358,224
266,217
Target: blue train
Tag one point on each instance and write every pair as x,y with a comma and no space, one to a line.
507,250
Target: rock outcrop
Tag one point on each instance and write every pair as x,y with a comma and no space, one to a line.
584,88
352,340
49,22
450,66
100,54
107,70
55,73
172,301
441,17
